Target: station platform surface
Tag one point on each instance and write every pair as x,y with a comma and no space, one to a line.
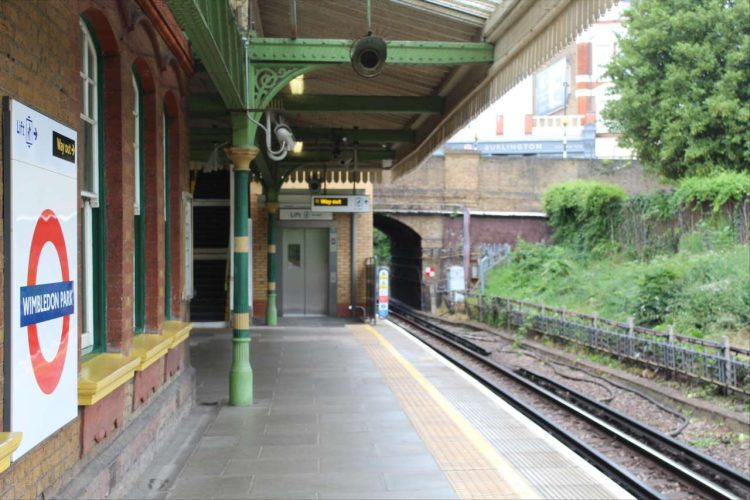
348,410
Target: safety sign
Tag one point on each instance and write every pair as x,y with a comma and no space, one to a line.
41,271
383,292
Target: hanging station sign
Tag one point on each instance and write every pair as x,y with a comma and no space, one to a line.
341,203
40,275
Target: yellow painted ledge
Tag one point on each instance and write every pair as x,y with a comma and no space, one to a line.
102,374
178,330
149,348
9,442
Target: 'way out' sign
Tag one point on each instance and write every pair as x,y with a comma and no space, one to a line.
40,291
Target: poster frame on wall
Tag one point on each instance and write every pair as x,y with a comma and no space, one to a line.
40,299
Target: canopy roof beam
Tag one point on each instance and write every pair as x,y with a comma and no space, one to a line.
203,105
332,51
359,104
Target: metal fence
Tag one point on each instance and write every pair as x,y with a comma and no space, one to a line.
718,363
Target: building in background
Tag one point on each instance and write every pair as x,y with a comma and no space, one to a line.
556,112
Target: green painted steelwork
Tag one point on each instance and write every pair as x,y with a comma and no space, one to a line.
312,50
206,105
241,373
207,137
361,136
270,78
360,104
214,35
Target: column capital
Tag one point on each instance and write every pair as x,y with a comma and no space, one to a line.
241,156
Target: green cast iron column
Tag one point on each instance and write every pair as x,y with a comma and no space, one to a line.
272,205
241,373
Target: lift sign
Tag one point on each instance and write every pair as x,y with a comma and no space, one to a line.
41,266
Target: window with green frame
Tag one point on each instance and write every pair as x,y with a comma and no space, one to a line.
139,226
93,284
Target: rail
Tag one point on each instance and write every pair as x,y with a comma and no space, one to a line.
718,363
712,477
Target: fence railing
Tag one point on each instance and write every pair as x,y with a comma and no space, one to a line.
714,362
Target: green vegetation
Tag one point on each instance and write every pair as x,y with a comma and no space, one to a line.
584,214
664,258
682,77
381,247
704,294
717,190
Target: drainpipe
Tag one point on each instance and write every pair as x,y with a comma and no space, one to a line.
467,248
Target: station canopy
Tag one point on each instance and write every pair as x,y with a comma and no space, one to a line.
444,62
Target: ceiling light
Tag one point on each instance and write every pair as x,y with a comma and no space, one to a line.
297,85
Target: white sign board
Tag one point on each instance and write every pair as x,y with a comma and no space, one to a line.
456,282
303,214
41,278
341,203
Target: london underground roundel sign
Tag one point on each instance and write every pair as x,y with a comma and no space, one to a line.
41,270
42,302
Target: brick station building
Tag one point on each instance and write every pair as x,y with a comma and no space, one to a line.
115,72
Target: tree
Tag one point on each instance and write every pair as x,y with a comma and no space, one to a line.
683,77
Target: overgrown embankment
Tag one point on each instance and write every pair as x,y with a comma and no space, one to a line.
679,257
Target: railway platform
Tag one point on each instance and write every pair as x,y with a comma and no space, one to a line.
349,410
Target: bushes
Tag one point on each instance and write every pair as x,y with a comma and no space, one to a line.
702,294
694,275
717,190
595,216
657,289
584,214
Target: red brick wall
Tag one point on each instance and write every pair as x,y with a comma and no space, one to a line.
39,65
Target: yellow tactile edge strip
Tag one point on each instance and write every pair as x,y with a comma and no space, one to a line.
472,465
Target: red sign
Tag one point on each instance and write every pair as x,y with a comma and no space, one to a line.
48,373
429,272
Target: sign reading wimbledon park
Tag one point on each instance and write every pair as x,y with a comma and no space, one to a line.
41,192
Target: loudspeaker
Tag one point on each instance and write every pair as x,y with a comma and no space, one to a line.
368,56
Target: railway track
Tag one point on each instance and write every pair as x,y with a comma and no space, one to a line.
704,475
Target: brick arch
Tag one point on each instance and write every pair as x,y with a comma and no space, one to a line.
406,259
143,24
173,75
101,29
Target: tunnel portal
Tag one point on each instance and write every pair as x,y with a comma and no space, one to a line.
406,260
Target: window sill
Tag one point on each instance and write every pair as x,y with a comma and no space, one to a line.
177,331
148,348
102,374
9,442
